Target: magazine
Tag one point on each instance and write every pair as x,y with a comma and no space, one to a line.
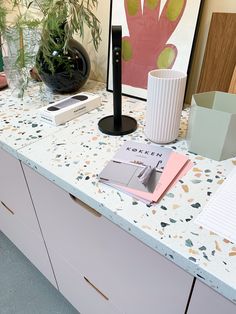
144,170
130,163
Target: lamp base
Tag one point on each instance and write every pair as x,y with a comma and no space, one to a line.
107,125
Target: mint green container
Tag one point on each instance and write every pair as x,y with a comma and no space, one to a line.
212,125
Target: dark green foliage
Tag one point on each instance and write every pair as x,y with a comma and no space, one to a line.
62,19
58,21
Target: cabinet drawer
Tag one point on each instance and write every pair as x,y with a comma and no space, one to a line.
29,243
79,290
14,194
134,277
206,300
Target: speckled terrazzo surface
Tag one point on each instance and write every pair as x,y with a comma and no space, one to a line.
19,123
72,155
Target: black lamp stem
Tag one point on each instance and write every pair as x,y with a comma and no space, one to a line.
117,86
117,124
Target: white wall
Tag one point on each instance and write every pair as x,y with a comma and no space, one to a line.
99,60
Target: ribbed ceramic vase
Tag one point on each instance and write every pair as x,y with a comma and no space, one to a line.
165,97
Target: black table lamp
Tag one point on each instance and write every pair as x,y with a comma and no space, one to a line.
117,124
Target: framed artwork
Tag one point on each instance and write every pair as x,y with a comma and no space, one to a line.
155,34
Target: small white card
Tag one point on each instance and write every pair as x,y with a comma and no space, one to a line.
219,214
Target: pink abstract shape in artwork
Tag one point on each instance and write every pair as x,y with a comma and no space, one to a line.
146,46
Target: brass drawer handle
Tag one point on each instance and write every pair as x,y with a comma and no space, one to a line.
92,285
85,206
7,208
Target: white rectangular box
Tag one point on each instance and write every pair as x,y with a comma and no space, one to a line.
69,108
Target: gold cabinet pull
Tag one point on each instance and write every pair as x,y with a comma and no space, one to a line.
94,287
85,206
7,208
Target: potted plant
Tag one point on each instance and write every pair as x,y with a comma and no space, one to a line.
20,34
62,62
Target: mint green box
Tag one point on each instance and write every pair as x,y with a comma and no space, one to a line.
212,125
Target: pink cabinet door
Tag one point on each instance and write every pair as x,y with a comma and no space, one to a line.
135,278
206,300
14,195
80,290
18,220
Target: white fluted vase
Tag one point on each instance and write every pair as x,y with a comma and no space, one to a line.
165,97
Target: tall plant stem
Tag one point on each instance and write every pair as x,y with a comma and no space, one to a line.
22,50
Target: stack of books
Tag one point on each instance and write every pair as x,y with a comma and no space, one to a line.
145,171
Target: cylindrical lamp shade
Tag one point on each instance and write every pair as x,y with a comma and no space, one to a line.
165,97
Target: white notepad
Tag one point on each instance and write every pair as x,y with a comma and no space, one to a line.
219,214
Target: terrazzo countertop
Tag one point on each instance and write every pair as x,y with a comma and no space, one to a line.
19,123
72,156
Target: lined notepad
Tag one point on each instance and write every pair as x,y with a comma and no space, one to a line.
219,215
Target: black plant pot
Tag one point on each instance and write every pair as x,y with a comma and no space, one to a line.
70,70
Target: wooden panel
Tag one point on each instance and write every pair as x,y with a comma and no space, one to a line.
232,86
220,54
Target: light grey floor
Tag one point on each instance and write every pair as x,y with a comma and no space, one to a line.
23,289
